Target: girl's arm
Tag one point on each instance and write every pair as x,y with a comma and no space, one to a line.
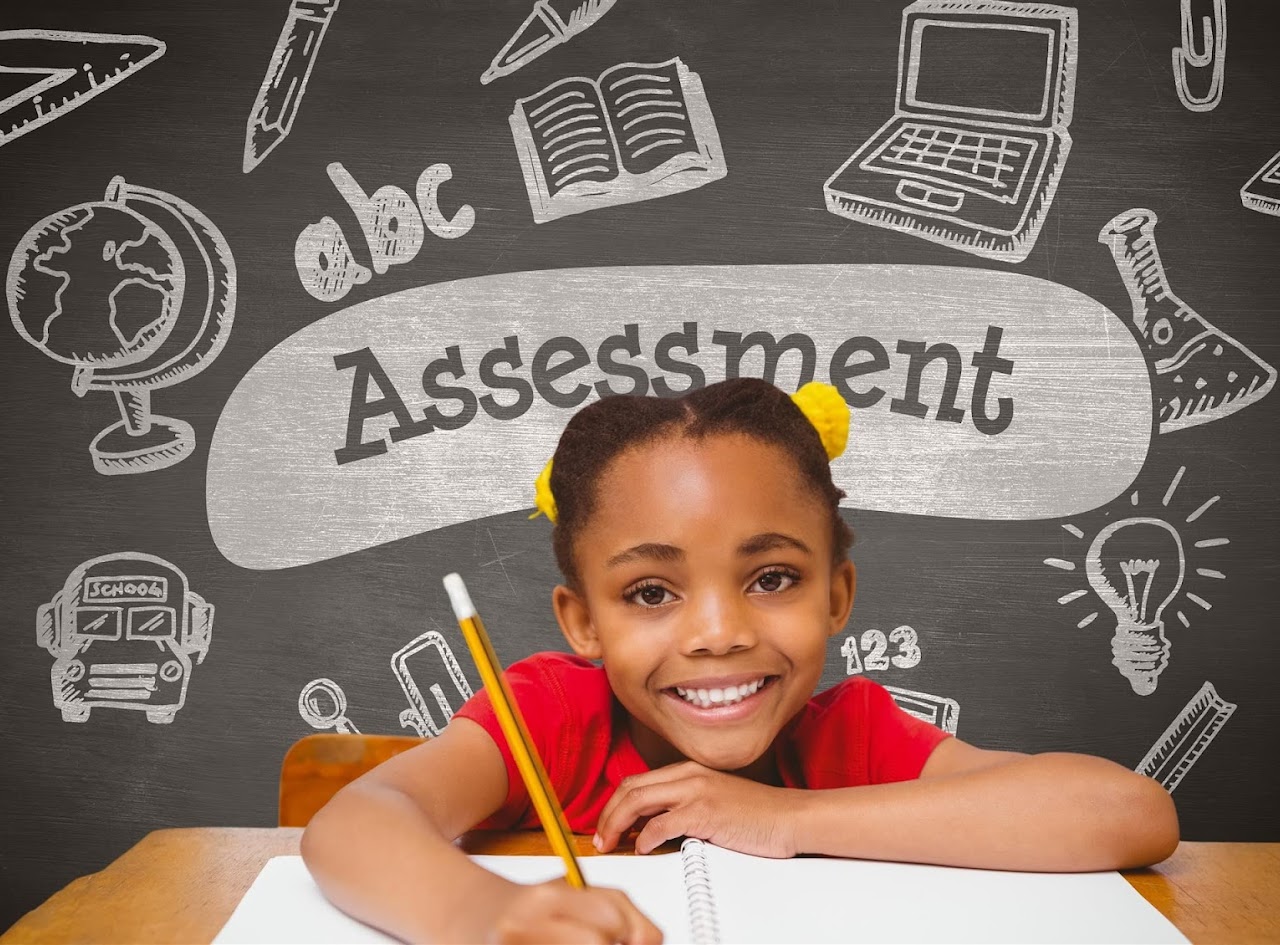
997,810
969,807
382,850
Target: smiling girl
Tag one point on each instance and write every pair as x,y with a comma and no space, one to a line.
705,566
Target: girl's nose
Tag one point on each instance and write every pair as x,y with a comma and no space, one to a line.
718,625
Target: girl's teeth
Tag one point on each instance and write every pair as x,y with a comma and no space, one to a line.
705,698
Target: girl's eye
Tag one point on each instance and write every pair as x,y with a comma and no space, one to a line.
771,582
649,595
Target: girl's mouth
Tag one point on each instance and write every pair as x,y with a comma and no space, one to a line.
714,698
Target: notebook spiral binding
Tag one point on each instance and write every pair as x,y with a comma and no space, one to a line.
698,893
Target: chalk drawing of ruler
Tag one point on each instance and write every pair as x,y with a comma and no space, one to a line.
1186,738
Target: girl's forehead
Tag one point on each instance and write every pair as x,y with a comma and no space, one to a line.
684,475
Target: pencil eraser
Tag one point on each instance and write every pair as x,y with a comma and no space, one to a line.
458,597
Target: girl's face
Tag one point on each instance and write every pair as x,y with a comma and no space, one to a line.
709,591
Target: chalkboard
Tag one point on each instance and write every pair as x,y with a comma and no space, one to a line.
357,263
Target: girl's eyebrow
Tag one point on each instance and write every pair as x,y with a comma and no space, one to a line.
768,541
658,551
649,549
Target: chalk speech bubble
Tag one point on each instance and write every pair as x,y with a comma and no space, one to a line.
975,394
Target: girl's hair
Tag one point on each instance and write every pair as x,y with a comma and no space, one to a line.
601,431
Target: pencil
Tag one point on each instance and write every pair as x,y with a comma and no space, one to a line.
282,87
514,730
551,23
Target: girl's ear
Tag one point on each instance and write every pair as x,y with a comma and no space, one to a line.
575,622
844,587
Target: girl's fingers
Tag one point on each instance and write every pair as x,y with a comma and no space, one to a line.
640,931
659,830
631,802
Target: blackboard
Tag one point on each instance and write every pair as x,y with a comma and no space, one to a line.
221,450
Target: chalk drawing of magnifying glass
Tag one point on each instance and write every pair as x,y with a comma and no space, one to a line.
323,705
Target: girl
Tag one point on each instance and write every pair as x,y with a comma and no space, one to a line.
705,565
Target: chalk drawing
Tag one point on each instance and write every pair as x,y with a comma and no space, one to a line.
124,632
1208,54
551,23
323,705
66,70
875,645
1261,192
441,404
393,225
639,131
1137,567
280,95
1187,737
136,291
1202,373
936,710
415,661
971,158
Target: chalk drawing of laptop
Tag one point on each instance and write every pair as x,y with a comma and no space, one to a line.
972,155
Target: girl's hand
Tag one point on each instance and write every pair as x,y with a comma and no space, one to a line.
689,800
556,912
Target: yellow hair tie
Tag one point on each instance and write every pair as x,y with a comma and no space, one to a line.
821,404
542,497
826,410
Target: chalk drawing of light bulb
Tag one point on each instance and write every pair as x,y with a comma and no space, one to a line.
1136,566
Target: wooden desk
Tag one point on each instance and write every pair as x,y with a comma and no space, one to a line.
182,885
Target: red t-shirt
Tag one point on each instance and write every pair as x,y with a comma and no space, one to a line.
850,735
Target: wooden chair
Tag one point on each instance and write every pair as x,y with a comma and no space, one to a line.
315,767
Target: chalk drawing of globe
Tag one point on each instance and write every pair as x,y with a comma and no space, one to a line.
96,284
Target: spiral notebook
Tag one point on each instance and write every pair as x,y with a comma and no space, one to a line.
706,894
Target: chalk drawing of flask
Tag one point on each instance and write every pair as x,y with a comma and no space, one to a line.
1202,373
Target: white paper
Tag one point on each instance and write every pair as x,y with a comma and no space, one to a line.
814,899
762,900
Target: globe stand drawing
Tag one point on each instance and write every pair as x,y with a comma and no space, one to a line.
140,441
136,292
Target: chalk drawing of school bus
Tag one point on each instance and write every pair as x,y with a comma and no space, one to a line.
122,632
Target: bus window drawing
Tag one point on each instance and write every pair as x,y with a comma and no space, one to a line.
1262,191
936,710
1195,58
135,291
1188,735
876,646
124,632
66,69
1201,372
280,95
1137,567
978,140
413,663
323,705
639,131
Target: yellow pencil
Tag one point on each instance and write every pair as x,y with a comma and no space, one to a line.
514,729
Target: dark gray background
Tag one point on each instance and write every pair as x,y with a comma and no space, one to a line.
795,87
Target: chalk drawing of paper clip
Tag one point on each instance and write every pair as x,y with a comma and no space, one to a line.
1212,54
412,659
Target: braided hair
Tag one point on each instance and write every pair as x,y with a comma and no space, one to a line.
603,430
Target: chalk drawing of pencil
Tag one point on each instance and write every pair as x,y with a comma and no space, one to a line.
282,87
551,23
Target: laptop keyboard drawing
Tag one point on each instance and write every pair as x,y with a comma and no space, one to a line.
973,153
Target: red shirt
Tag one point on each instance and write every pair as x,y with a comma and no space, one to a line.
850,735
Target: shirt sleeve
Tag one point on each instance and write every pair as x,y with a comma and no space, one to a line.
898,743
543,711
